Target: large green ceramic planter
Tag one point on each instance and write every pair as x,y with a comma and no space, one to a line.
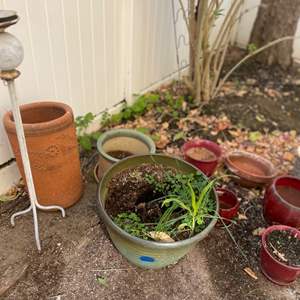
145,253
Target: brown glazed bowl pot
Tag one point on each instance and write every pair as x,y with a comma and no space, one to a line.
251,170
53,151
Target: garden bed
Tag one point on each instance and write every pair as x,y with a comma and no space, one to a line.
257,115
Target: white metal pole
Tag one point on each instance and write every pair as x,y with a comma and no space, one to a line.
22,140
25,160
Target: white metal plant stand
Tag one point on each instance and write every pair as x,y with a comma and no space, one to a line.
11,56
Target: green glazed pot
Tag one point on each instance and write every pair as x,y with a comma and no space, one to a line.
128,140
145,253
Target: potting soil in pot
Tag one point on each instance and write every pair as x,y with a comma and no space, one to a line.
201,154
119,154
284,247
289,194
129,189
135,198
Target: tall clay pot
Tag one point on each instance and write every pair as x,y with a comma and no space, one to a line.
53,151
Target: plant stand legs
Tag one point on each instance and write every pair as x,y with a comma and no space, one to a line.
27,169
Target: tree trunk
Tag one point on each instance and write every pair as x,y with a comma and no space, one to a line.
276,19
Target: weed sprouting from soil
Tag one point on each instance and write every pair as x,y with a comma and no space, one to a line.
180,205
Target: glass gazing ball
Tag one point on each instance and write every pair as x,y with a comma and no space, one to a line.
11,52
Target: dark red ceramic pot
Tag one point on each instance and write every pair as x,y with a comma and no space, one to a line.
273,269
209,166
229,205
282,201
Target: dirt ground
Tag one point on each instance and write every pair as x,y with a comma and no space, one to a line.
77,250
78,260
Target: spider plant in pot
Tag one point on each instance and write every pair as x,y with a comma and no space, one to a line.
156,208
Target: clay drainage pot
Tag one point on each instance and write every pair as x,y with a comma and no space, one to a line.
252,170
53,152
117,144
203,154
273,269
229,205
282,201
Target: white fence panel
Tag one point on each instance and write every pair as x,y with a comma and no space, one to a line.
153,49
73,54
92,54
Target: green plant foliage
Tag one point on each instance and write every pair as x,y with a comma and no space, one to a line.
191,194
218,12
174,102
251,47
85,139
132,224
187,204
142,104
179,135
143,130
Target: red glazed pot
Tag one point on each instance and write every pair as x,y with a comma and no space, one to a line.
208,167
276,208
229,204
273,269
252,170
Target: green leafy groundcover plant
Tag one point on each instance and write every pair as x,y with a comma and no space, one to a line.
187,205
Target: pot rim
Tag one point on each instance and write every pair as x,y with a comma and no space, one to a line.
273,187
152,244
201,144
42,127
272,228
122,132
251,177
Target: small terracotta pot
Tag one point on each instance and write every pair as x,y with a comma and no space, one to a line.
273,269
53,151
208,167
229,205
252,170
127,140
276,207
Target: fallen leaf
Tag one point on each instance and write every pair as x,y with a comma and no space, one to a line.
241,93
260,118
278,254
258,231
101,280
161,236
162,142
272,93
250,273
165,125
288,156
242,217
251,81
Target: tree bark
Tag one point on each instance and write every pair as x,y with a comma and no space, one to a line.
276,19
